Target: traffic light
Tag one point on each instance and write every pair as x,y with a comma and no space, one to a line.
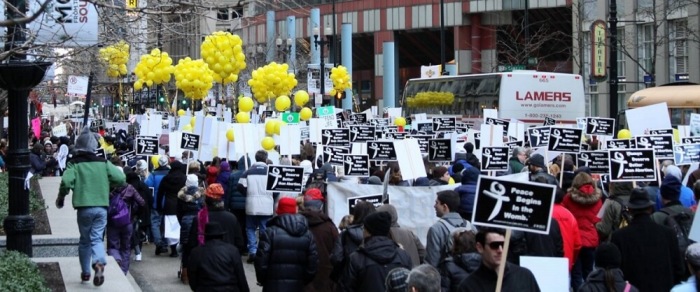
161,99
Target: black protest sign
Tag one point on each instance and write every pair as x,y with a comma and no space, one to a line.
525,206
425,127
356,165
444,124
494,158
341,116
381,150
661,132
565,140
126,156
663,145
690,140
495,122
477,140
514,144
362,133
465,126
379,122
600,126
101,152
375,200
632,165
440,150
284,178
685,154
596,161
423,141
358,118
538,136
396,135
334,155
549,121
335,137
390,129
621,144
146,145
189,141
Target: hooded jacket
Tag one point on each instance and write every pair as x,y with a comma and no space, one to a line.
89,177
287,259
236,199
216,266
585,207
438,237
467,190
348,242
570,234
369,265
596,282
153,181
170,186
454,269
223,177
253,184
406,239
129,195
325,235
144,212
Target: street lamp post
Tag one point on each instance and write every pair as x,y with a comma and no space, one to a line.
284,52
612,79
442,38
322,42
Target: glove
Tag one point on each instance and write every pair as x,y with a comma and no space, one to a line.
59,202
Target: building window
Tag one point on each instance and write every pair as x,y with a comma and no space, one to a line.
678,48
646,49
621,71
586,54
222,14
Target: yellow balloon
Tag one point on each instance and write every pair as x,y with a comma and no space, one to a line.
301,97
624,134
245,104
282,103
277,127
676,136
270,127
229,135
243,117
305,114
181,112
192,121
154,160
268,143
187,128
400,121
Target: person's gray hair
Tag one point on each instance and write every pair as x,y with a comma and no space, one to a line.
285,161
261,156
425,278
517,150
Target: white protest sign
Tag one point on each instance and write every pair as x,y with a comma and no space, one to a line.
516,129
491,135
183,120
315,130
639,119
490,113
77,85
410,159
198,123
245,143
694,125
290,140
552,274
59,131
224,146
683,131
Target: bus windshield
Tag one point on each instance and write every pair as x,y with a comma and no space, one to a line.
472,94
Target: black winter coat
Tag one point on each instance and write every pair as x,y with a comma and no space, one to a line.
596,282
144,212
233,235
350,241
651,260
515,278
216,266
326,235
170,186
287,259
534,244
369,265
453,270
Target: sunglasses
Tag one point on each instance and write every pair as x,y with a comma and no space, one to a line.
495,244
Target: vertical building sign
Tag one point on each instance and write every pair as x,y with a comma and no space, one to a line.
598,49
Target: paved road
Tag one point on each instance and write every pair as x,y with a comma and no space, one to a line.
159,273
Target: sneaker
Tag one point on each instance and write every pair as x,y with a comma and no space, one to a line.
85,277
99,278
137,257
251,259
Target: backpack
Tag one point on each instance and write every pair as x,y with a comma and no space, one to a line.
625,214
680,223
465,226
118,212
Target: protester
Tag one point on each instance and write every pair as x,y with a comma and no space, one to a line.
463,260
369,265
223,176
584,201
153,181
608,276
216,265
169,188
287,259
190,201
234,200
467,191
686,197
396,280
692,259
89,178
650,255
613,209
350,239
470,157
489,243
259,202
440,177
696,194
516,163
438,241
424,278
570,234
670,197
404,237
537,168
142,216
119,235
36,161
325,234
213,170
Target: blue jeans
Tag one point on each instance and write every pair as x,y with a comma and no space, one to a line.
582,267
156,219
91,224
252,223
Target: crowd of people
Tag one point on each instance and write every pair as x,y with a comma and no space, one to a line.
216,214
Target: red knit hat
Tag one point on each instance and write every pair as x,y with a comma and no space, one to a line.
313,194
287,205
214,191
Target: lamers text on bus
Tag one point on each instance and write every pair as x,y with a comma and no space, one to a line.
543,95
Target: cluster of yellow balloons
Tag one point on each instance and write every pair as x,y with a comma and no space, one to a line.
272,127
193,77
270,81
341,80
115,56
153,68
223,52
301,98
431,99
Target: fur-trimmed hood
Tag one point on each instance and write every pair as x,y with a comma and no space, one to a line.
582,198
190,194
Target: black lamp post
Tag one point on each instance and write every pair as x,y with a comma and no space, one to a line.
322,42
442,38
612,70
283,52
18,77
